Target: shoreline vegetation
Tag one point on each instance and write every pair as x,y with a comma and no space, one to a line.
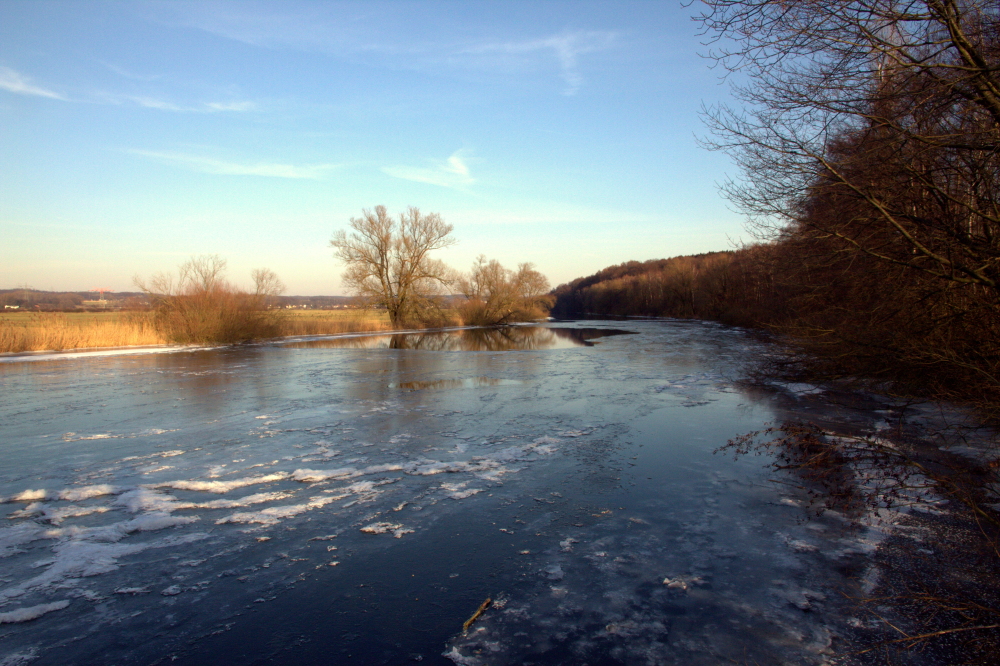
59,331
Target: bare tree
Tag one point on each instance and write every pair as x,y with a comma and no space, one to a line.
388,262
887,109
498,295
266,287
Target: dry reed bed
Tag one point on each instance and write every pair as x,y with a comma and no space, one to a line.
320,323
59,331
38,332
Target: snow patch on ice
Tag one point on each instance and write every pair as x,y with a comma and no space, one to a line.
32,612
221,487
56,515
799,388
458,491
275,514
73,437
68,494
147,499
396,529
317,475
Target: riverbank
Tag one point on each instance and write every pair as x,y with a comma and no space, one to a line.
922,481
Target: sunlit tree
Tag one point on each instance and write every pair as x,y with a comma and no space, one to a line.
388,262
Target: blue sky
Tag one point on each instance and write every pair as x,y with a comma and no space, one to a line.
134,135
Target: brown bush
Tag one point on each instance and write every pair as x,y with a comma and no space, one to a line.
201,306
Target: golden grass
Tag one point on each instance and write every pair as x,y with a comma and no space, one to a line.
56,331
331,322
40,331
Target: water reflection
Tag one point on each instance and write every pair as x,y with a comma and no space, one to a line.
470,382
505,338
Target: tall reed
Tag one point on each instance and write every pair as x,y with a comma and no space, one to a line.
333,322
53,331
56,331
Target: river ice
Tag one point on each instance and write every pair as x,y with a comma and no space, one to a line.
304,503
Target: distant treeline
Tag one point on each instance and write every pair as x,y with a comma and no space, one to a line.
849,315
37,299
690,286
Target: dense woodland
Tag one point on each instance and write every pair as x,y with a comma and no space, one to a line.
850,315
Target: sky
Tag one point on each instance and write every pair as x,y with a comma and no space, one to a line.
135,135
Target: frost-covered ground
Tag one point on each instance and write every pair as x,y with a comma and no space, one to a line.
297,504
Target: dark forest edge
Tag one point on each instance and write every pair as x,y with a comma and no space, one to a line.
845,316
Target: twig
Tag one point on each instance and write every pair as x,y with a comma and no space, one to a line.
475,616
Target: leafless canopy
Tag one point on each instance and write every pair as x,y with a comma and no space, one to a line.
388,262
498,295
875,122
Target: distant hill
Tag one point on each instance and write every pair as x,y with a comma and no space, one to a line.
685,286
40,300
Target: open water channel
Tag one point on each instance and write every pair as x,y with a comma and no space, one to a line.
356,500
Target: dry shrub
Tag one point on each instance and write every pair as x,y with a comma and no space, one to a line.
496,295
475,312
212,317
433,317
201,306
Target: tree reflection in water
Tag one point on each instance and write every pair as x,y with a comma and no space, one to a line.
500,338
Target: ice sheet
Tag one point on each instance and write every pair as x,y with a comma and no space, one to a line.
167,494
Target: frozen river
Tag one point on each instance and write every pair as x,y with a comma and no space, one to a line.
356,500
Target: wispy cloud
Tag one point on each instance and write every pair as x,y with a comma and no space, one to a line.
566,46
15,82
453,172
206,107
154,103
129,74
395,39
231,106
224,168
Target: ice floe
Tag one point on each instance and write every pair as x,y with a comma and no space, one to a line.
395,529
31,612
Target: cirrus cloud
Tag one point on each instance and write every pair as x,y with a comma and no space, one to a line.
15,82
566,46
453,172
226,168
